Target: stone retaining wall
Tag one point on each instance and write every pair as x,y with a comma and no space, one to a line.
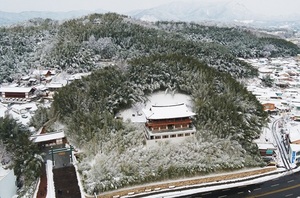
189,182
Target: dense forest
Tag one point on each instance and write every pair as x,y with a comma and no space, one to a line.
228,119
144,58
83,44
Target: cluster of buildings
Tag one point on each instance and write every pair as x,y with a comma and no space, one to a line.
282,99
20,100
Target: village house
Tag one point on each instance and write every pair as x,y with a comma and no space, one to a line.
54,86
17,94
293,141
168,122
269,106
44,73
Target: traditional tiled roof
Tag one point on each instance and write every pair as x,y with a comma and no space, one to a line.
16,89
156,112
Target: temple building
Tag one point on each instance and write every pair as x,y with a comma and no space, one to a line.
168,123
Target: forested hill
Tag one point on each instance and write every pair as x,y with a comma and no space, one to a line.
82,44
145,58
149,58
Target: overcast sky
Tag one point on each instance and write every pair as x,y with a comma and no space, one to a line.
269,7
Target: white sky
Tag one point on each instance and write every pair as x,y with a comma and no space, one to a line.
268,7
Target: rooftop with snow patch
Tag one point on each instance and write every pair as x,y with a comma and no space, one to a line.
156,112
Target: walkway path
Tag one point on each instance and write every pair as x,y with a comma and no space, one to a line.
42,192
66,183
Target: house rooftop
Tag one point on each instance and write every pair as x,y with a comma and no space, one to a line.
294,131
295,147
48,137
266,146
55,85
16,89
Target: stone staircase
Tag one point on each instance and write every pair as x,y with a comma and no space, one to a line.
66,183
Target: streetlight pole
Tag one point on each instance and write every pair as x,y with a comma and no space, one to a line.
52,155
71,149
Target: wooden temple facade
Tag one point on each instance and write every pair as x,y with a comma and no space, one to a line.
168,122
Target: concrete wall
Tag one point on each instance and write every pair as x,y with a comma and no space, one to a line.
7,183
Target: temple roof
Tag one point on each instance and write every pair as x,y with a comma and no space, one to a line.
156,112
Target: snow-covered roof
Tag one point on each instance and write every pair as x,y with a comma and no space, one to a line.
55,85
78,76
294,132
43,72
48,137
295,147
275,102
290,90
16,89
265,70
266,146
25,77
167,111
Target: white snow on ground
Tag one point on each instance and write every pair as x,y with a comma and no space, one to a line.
22,112
135,114
3,108
50,181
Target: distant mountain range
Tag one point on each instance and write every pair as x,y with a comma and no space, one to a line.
192,11
232,11
9,18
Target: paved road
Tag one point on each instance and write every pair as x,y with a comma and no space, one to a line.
286,186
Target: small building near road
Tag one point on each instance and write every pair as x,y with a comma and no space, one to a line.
266,149
294,153
168,123
293,142
267,152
